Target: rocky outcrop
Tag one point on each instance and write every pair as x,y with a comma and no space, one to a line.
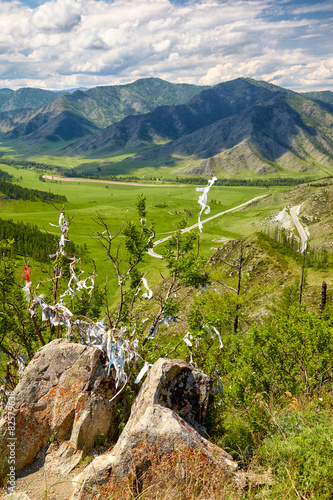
62,397
167,415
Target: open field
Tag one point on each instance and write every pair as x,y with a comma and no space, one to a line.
116,203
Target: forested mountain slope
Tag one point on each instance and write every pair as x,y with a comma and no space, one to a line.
96,108
234,127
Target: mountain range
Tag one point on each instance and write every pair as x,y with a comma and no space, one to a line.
68,116
236,127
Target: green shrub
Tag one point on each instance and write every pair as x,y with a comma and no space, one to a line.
292,352
301,455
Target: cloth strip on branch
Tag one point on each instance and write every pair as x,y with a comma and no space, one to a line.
142,372
167,320
27,286
205,287
212,335
187,339
203,201
57,315
149,293
118,350
63,225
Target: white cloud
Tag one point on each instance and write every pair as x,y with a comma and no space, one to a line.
314,7
66,43
58,15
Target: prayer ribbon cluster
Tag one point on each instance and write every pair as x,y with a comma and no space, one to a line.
118,350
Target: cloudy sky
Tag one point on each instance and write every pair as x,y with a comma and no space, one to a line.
59,44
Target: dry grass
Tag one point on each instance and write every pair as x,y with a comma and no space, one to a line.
177,475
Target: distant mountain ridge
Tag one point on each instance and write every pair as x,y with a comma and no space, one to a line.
169,123
237,127
233,127
25,98
96,108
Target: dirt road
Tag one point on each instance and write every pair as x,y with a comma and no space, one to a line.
294,211
77,179
158,242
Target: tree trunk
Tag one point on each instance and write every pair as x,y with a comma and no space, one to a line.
323,298
302,279
238,287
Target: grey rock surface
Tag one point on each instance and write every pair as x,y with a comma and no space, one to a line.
169,408
63,396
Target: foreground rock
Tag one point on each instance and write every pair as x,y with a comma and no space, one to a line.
16,496
167,414
62,397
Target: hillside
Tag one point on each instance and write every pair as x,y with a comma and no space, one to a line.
265,139
93,109
324,98
238,127
5,94
50,124
316,209
25,98
169,123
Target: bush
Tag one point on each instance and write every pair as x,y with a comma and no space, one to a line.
292,352
301,454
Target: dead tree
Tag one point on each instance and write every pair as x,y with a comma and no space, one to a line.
302,279
323,298
237,290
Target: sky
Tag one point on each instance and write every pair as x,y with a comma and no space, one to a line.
63,44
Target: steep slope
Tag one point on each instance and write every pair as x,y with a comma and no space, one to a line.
169,123
229,129
285,133
98,107
5,94
316,206
324,98
49,124
26,98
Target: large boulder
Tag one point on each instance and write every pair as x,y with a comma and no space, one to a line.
167,415
62,397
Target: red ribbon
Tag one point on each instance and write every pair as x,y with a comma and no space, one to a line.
25,274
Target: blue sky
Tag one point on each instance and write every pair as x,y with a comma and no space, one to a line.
60,44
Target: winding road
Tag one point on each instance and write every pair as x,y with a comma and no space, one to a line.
162,240
294,211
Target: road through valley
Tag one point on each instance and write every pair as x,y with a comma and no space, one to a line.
162,240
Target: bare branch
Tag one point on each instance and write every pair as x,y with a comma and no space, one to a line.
225,286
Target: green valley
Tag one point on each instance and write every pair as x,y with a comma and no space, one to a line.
97,186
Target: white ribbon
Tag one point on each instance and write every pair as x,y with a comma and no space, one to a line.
187,338
217,334
142,372
150,293
203,201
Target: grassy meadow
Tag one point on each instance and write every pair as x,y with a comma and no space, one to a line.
261,420
116,203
